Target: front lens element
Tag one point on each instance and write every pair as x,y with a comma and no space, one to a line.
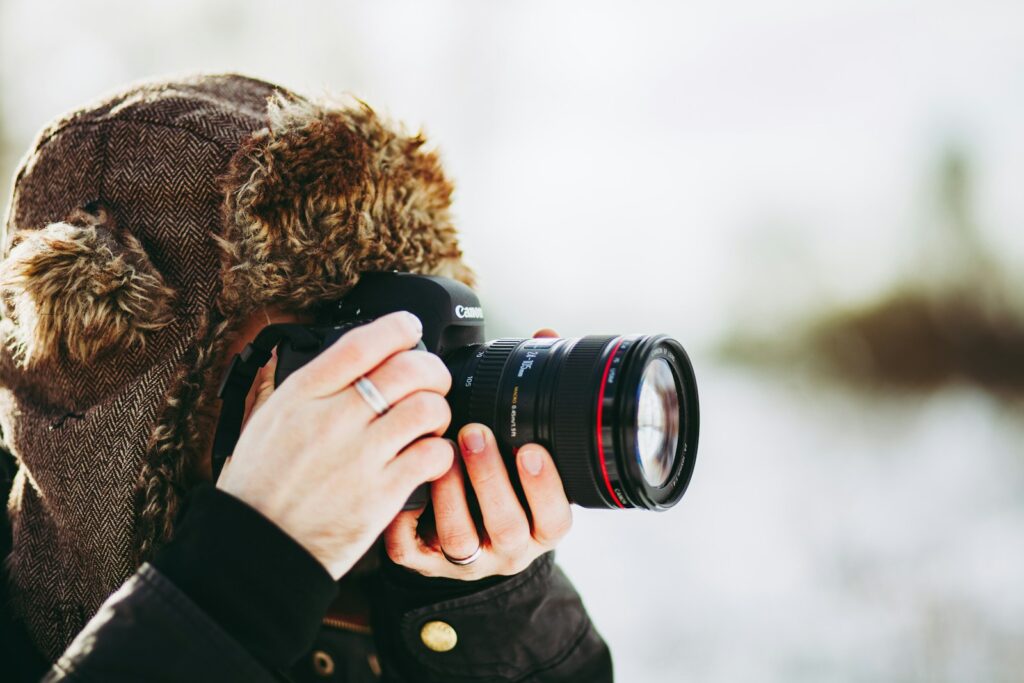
657,422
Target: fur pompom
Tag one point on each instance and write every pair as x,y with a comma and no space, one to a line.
327,191
80,289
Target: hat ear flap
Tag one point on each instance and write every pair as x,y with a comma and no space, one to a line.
80,291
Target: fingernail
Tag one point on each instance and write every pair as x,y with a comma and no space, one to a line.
416,323
533,461
474,440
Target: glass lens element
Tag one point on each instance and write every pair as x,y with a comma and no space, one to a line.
657,422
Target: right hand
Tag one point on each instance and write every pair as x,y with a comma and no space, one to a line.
316,460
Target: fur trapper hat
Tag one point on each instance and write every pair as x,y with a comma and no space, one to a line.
142,230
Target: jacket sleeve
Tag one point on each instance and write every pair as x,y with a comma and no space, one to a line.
150,631
528,627
231,598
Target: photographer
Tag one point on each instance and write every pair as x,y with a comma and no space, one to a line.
117,328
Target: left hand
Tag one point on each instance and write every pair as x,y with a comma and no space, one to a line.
508,541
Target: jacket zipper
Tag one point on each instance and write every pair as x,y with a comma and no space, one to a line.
334,622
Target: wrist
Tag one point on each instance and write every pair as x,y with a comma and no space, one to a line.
248,574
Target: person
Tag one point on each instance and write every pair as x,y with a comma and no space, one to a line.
149,236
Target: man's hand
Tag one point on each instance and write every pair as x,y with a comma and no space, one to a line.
508,540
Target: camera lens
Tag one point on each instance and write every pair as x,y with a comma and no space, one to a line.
618,413
657,422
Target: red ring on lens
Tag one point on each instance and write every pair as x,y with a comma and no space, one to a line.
600,410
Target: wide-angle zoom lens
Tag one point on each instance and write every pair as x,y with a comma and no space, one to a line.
618,413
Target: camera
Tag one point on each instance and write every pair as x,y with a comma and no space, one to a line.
619,413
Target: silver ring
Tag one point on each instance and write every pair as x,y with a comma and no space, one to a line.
465,560
371,394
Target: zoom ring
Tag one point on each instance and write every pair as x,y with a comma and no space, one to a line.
483,404
575,416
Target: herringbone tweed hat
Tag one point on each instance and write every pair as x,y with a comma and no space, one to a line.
141,231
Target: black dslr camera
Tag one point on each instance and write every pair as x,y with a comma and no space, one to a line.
619,414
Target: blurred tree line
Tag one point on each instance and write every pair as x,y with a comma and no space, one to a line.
957,318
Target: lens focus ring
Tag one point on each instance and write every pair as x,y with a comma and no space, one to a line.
575,418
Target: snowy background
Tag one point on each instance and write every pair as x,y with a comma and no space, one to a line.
693,169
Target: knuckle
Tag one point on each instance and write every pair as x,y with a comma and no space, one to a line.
404,363
418,402
408,363
421,462
436,572
490,479
413,472
554,531
444,411
459,541
355,353
392,373
511,535
447,514
398,326
442,376
414,407
395,551
408,412
433,409
513,565
445,508
422,369
564,526
444,451
437,457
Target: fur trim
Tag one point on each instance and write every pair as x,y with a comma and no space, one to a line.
81,289
326,192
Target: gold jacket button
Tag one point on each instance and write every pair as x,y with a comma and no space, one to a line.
438,636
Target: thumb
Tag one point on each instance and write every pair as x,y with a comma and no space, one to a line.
262,387
402,541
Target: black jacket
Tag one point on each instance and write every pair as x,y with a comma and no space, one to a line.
233,598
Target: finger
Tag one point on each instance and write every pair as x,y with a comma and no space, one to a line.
406,547
456,530
262,387
544,332
403,374
419,414
504,518
224,467
356,353
426,460
403,545
549,506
